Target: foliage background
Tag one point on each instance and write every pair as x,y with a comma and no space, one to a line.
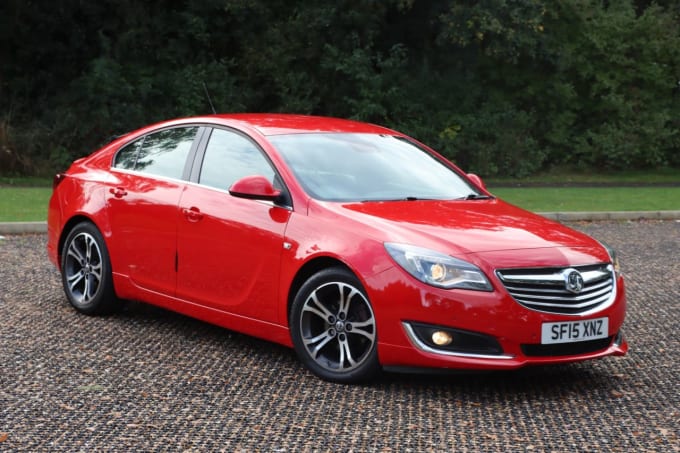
502,87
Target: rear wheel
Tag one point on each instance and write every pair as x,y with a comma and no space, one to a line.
86,271
333,327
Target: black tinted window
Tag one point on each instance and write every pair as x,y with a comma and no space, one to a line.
164,153
230,157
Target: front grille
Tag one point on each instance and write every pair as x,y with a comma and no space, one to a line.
570,291
554,350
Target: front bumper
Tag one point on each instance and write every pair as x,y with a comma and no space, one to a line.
400,303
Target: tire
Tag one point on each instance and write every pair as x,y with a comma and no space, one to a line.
86,271
333,328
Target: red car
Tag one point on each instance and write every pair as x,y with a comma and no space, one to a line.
358,246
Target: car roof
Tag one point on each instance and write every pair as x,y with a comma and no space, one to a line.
282,123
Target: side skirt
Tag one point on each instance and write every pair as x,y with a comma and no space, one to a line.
125,289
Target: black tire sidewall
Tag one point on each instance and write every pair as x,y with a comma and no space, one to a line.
369,368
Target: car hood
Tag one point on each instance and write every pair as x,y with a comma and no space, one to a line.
465,227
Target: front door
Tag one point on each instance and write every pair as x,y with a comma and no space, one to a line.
229,248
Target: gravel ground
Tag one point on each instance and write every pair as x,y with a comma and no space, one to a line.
150,380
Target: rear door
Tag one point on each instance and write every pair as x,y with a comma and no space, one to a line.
229,248
151,174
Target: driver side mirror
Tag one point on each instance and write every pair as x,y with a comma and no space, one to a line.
254,188
477,180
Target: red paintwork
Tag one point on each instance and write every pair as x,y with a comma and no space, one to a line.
233,269
254,187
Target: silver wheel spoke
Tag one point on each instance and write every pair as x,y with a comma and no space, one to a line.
346,354
74,252
96,271
364,329
93,285
86,290
319,310
322,340
345,301
88,248
73,280
314,310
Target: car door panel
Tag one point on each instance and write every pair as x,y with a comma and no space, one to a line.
144,206
145,228
229,257
229,248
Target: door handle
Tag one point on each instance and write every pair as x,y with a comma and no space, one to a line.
193,214
118,192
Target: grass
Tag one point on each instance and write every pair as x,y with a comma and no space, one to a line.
25,199
568,176
565,199
25,181
24,204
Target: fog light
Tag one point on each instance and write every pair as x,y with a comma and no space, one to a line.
449,340
441,338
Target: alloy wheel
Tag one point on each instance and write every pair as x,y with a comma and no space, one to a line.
83,268
337,327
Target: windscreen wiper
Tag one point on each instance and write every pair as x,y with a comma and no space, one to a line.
408,198
476,196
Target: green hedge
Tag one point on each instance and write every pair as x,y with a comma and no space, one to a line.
503,87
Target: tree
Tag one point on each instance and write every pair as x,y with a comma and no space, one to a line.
503,87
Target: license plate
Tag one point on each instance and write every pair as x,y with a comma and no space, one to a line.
574,331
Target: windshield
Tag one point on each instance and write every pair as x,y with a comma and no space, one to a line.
368,167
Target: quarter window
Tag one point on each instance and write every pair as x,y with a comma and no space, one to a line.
127,156
230,157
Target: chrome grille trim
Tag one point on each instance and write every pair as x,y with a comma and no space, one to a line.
552,278
545,289
558,295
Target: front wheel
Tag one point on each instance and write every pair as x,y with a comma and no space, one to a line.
333,327
86,271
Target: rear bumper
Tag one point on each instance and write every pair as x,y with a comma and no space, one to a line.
53,230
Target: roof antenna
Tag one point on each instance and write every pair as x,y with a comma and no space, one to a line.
207,94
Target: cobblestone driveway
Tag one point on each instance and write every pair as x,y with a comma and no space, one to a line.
151,380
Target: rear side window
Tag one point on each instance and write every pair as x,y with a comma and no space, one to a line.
162,153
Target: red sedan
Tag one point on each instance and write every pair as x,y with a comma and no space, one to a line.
358,246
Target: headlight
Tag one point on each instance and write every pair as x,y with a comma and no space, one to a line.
613,256
438,269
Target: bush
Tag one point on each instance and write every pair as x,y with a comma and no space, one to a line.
503,87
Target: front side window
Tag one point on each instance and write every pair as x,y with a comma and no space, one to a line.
162,153
230,157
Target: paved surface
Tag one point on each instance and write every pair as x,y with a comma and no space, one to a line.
150,380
